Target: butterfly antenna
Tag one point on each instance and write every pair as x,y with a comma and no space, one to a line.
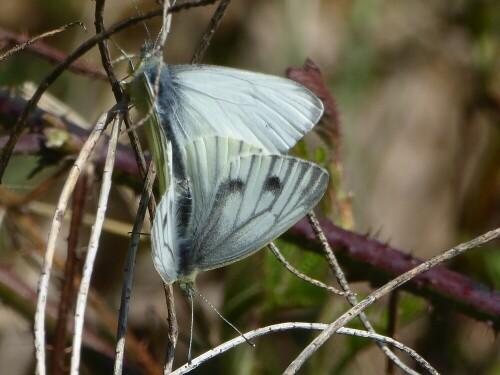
139,13
251,343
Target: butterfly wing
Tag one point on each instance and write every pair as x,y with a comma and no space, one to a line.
206,160
195,101
141,91
164,237
170,223
268,111
256,199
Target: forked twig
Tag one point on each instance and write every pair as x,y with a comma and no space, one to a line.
43,284
129,270
350,296
299,325
299,274
379,293
94,244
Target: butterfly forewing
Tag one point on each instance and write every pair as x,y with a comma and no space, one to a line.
269,112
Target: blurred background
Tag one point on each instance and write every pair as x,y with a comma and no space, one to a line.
417,86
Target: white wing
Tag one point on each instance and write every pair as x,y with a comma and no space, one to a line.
207,161
254,200
164,238
195,101
170,223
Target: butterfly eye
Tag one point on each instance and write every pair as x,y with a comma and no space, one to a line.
273,184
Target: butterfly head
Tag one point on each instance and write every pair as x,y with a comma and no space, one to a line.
187,287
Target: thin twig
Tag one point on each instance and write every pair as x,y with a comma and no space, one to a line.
23,45
392,326
300,325
379,293
53,55
172,333
189,5
167,22
119,93
299,274
43,284
140,159
66,300
209,33
129,270
93,245
350,296
104,51
172,328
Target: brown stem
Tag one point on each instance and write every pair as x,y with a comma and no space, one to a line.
67,299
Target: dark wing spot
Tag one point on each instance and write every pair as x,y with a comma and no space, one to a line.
273,184
235,186
229,187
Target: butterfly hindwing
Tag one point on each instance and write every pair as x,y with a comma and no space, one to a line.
258,198
177,217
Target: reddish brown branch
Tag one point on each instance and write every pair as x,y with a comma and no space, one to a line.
367,259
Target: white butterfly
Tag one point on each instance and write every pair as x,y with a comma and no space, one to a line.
236,199
194,101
